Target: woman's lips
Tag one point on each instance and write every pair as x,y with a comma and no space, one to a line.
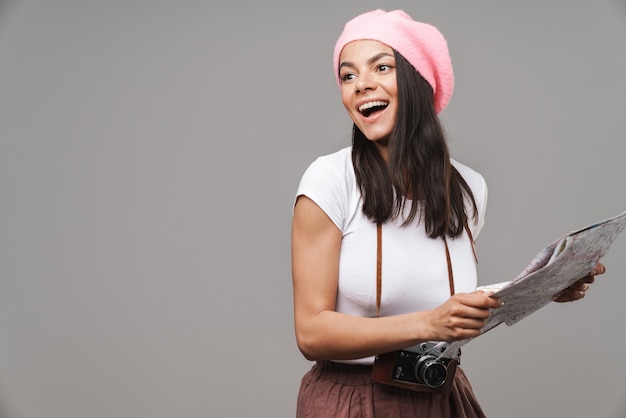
373,106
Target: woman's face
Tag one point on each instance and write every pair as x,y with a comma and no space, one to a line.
369,91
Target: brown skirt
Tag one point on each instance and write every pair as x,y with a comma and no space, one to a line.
335,390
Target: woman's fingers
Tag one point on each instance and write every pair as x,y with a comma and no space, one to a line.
579,288
464,315
599,269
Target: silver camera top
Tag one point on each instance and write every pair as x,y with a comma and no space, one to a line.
433,348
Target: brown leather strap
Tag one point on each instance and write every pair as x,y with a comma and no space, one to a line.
379,266
449,261
471,238
379,263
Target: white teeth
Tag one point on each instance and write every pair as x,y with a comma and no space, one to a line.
370,105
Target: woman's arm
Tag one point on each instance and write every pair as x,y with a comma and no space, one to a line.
324,334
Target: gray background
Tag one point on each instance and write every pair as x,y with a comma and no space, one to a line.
149,156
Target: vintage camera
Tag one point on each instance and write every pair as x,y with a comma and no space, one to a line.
418,368
421,366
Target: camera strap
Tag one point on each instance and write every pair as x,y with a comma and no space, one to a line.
385,364
379,262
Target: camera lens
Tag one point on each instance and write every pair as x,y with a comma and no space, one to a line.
430,371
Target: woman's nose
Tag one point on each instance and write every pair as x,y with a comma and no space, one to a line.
364,82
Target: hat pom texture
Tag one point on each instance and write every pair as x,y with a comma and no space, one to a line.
421,44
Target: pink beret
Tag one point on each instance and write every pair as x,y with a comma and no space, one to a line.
420,43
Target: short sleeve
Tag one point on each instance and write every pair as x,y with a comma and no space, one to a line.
325,184
477,184
480,196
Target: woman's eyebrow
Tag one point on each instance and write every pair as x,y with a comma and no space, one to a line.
369,61
379,56
345,64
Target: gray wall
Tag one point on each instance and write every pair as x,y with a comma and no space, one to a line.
149,155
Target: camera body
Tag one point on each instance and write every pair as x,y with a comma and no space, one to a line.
417,368
421,366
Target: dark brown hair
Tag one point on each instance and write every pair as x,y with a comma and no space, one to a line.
419,164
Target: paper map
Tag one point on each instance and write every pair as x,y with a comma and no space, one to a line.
555,268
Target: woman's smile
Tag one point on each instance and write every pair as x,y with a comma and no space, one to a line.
372,107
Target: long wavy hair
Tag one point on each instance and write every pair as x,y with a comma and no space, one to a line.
419,165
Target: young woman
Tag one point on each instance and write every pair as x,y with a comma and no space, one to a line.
383,231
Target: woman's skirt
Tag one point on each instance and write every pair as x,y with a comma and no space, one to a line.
336,390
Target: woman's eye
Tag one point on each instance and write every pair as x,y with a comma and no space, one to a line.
347,77
384,67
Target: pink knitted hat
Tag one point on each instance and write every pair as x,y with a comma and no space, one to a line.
420,43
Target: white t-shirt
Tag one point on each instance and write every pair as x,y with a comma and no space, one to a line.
414,267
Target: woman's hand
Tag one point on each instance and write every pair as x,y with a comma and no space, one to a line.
577,290
462,316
